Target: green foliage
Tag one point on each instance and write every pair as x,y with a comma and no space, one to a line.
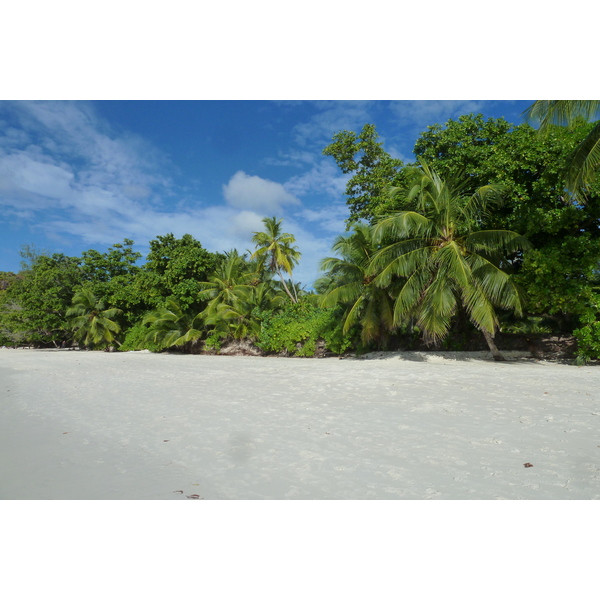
92,323
348,284
36,301
7,337
584,162
238,294
588,342
136,339
559,277
232,280
171,325
275,252
373,171
443,261
214,341
527,326
174,269
298,329
118,261
588,335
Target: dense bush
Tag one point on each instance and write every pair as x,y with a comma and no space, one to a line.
588,335
135,340
588,342
299,328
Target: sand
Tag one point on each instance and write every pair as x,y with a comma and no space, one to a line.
94,425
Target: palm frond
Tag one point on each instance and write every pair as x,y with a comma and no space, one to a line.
496,241
400,259
402,225
561,112
409,296
343,294
585,161
451,263
437,307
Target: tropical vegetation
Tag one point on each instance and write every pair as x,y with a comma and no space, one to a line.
494,228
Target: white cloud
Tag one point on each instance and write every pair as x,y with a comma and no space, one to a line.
245,224
25,176
66,159
428,112
323,177
334,116
249,192
331,218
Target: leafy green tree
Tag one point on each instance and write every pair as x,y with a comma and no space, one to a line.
171,325
560,278
584,163
348,283
174,268
36,302
373,171
120,260
113,278
274,250
7,307
92,323
529,167
443,261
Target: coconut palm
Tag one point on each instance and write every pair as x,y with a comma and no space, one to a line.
233,278
349,284
275,251
585,160
92,323
171,326
441,262
241,319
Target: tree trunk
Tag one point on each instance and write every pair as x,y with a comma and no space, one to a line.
489,338
294,300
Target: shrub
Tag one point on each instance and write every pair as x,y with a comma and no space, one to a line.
135,340
588,336
588,342
298,329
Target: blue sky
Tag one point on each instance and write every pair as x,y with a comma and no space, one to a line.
76,175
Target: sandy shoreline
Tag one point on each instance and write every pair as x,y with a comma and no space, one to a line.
93,425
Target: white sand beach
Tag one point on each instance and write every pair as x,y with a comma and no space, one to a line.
94,425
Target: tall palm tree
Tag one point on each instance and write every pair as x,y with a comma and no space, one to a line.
171,326
275,250
441,262
92,323
350,285
585,160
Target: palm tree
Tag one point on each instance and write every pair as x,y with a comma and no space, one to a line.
441,262
241,318
274,249
233,278
349,284
171,326
585,160
92,323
